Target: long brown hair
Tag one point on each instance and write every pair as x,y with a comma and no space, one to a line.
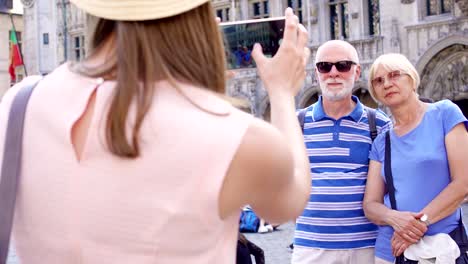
186,48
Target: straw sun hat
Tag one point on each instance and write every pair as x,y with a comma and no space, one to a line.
136,10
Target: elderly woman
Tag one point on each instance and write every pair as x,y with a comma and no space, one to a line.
429,161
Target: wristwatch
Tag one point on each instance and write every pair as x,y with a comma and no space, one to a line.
425,219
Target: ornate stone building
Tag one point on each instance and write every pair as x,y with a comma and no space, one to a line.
55,33
8,19
433,34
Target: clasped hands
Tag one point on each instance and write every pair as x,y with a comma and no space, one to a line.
408,230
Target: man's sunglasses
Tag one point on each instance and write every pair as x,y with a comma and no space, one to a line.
341,66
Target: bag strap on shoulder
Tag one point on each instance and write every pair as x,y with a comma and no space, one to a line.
301,118
371,113
11,166
302,114
388,171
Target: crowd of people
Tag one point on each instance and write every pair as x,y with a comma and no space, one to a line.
134,155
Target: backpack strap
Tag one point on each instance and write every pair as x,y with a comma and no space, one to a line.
388,171
301,115
301,118
11,166
371,113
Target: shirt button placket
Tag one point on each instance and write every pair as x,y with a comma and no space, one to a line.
335,128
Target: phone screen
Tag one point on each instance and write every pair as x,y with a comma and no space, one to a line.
239,38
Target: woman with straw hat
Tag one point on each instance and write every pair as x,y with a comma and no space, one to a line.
133,156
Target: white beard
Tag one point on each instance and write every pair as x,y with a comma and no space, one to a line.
337,95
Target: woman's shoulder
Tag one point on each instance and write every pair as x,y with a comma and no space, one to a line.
380,139
201,98
11,93
444,104
378,146
444,108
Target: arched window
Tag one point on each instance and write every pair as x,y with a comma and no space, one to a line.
339,19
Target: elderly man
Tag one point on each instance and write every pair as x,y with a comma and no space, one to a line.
333,228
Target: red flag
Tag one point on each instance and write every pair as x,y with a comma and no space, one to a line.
15,56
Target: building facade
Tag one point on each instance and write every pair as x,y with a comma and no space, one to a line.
433,34
55,33
9,19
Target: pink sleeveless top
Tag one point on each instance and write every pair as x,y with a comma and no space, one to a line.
159,208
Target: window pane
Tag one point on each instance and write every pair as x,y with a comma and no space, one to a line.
299,3
344,19
446,6
45,38
431,7
256,9
77,42
290,3
219,13
374,18
265,7
334,26
227,14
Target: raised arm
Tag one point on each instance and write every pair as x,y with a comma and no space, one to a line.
271,166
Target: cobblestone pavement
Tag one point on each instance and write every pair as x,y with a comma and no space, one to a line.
274,244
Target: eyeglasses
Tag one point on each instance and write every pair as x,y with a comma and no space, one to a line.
391,76
341,66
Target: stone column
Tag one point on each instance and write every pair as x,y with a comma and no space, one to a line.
244,9
276,8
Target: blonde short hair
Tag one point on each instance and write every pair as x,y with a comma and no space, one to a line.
393,62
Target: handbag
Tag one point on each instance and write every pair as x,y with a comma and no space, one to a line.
11,166
458,234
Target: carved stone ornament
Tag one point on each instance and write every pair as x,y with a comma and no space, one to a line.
27,3
407,1
463,5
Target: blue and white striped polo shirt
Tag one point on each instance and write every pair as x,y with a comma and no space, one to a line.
339,159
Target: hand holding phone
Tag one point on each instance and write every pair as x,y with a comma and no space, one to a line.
284,74
240,36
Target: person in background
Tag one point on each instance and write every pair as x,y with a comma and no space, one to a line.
245,249
429,161
134,156
333,228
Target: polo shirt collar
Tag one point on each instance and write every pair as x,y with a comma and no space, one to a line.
356,114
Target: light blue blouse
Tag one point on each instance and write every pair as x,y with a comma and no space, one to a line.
420,168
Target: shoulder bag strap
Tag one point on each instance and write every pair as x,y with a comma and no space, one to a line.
372,124
388,171
301,118
11,166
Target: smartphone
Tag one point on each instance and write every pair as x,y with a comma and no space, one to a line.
240,36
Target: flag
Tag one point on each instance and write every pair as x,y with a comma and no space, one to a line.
15,55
